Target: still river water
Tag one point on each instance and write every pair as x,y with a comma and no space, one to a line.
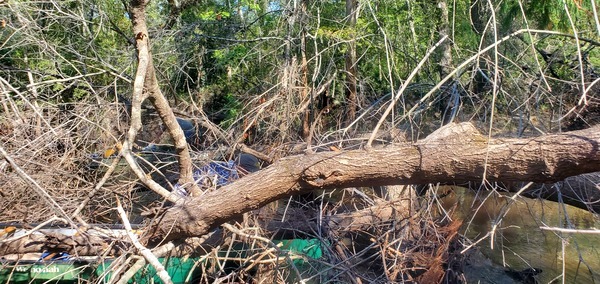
519,242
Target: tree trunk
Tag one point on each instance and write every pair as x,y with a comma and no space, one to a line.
454,153
351,70
78,244
478,14
152,90
446,47
305,89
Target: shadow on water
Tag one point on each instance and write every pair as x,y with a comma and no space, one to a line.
518,241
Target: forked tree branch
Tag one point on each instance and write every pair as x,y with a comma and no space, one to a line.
146,86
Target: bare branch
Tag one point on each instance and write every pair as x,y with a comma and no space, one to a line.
37,188
151,258
146,81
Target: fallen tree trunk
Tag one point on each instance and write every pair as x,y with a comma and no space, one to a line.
454,153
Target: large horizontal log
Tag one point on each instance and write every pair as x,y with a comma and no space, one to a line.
454,153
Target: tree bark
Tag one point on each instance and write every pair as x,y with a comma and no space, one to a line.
454,153
350,62
152,90
304,88
444,30
363,220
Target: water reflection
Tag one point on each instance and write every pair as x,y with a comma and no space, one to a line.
519,243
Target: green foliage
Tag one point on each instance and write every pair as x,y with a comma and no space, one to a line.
64,39
231,107
215,16
230,54
227,52
546,14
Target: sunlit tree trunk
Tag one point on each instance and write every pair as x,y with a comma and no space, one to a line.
448,99
305,87
454,153
446,46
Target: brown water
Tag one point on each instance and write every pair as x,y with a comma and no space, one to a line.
519,243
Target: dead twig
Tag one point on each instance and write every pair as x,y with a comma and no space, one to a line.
146,253
37,188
